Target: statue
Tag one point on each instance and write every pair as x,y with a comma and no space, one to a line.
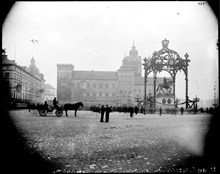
165,85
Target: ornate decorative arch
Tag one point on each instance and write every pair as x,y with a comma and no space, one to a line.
166,60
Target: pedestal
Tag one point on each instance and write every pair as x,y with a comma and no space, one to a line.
165,101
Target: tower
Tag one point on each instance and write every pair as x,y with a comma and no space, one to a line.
134,61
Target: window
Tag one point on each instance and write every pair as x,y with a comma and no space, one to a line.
113,85
77,85
6,75
87,85
94,85
100,93
106,85
100,86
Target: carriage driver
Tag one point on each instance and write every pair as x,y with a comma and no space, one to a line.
55,102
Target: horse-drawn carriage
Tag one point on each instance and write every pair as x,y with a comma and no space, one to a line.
48,109
59,108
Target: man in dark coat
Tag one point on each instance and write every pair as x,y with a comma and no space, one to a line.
131,109
55,102
102,113
136,110
107,111
181,110
160,110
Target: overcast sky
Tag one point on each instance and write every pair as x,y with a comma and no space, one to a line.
97,35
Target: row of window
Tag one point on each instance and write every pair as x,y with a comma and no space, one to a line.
125,84
108,94
125,76
94,85
122,84
22,95
31,82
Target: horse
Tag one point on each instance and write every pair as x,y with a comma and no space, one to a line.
74,106
165,85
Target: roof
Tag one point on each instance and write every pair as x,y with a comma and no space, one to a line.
48,86
95,75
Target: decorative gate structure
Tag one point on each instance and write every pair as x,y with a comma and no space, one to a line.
169,61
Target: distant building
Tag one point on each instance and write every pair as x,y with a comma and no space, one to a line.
24,84
50,92
115,88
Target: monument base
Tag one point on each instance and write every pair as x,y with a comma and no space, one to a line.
165,101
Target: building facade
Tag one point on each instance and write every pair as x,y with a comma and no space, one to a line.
115,88
24,84
50,92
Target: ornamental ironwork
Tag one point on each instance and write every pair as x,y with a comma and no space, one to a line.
166,60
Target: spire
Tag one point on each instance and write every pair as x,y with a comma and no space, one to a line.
133,47
133,51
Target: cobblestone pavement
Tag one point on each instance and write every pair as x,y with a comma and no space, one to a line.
143,143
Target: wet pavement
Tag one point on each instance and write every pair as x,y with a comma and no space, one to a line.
143,143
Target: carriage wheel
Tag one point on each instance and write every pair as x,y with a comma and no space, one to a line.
59,113
43,112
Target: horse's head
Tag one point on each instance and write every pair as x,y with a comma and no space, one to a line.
81,104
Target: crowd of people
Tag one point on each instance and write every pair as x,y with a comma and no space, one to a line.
105,111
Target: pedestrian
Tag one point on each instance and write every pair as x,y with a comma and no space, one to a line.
55,102
102,113
46,106
160,111
131,111
29,106
202,110
136,110
181,110
107,111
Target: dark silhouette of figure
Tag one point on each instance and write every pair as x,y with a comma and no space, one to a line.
46,105
142,109
131,109
107,111
29,107
55,102
202,110
160,110
207,110
136,110
181,110
102,113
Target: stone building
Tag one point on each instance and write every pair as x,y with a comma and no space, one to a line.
25,84
115,88
50,92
